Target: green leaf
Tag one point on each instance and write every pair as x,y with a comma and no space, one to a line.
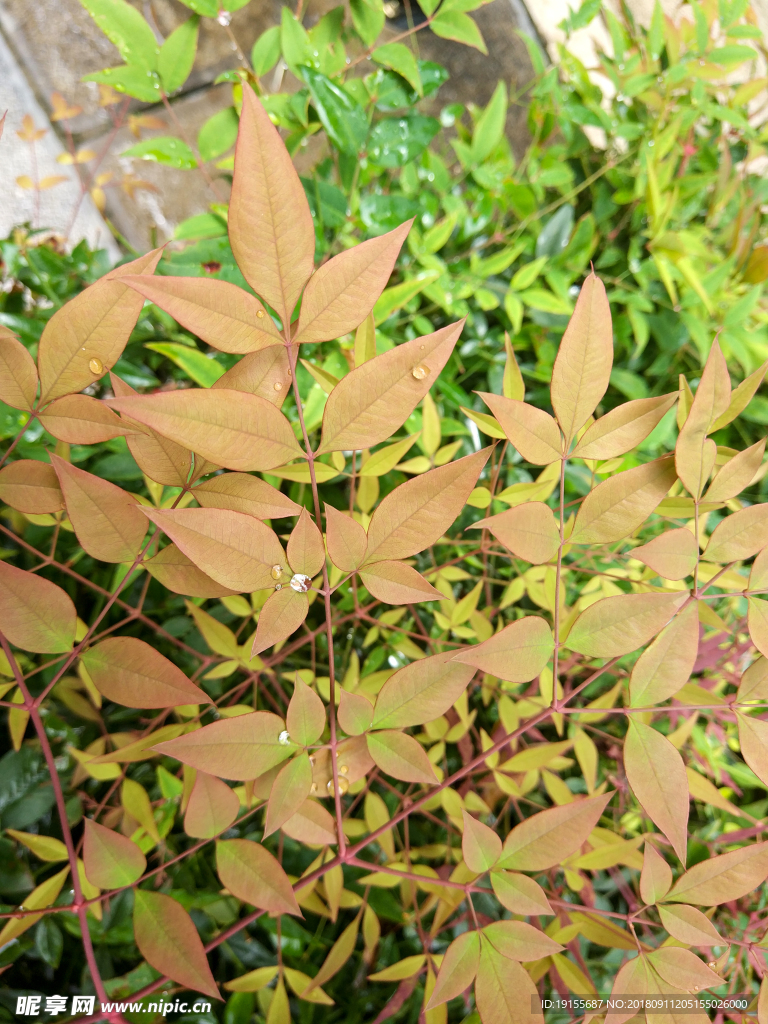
396,141
164,150
489,129
294,41
199,367
218,134
327,203
367,19
344,120
177,55
124,26
266,51
459,27
129,79
202,225
398,295
400,58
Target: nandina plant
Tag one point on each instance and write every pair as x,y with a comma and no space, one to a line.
517,838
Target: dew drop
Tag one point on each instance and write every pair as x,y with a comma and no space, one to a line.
312,760
343,786
277,386
260,313
420,371
277,572
343,769
278,586
96,365
284,739
695,988
224,18
300,583
313,788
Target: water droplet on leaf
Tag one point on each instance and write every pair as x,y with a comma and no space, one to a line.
277,572
300,583
343,786
343,769
259,313
277,386
96,366
284,739
420,371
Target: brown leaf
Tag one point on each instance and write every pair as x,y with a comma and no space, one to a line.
306,714
86,337
79,419
281,616
547,838
241,492
503,990
230,428
623,428
689,925
400,756
306,551
617,625
736,474
373,401
35,614
355,713
233,748
236,550
311,824
532,431
617,506
753,738
722,879
582,369
417,513
177,573
517,940
31,486
421,692
18,373
656,876
458,969
656,773
520,894
219,313
347,540
397,583
694,454
161,459
212,807
683,970
168,941
252,874
517,653
666,665
530,531
343,291
130,672
108,522
289,791
738,536
266,373
673,554
270,226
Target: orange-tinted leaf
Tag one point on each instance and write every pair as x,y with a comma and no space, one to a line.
758,574
740,535
355,713
343,291
633,978
178,573
219,313
421,692
722,879
253,981
582,369
400,756
373,401
682,969
503,990
212,807
230,428
289,791
79,419
233,748
311,824
689,925
31,486
18,373
623,428
532,431
656,876
241,492
617,506
754,682
35,615
516,653
656,773
132,673
306,551
694,453
520,894
397,583
673,554
270,226
740,399
266,373
417,513
480,845
90,331
168,941
407,968
547,838
111,860
530,531
305,718
458,969
252,874
339,953
617,625
162,460
517,940
236,550
666,664
347,540
753,738
108,521
281,616
736,474
757,618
